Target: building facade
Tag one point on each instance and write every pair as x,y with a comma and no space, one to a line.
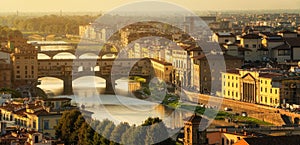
25,64
252,86
203,75
163,70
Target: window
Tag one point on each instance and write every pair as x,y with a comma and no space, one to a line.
46,124
266,99
236,85
271,90
246,45
276,101
261,89
284,52
275,91
254,46
271,100
236,94
266,90
34,124
261,98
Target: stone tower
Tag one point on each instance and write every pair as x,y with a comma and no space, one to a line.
192,134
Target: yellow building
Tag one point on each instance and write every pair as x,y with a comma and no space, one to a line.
254,86
203,75
224,137
269,95
163,70
231,85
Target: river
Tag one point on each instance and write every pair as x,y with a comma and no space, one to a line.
118,108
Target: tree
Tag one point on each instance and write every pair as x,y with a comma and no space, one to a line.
128,137
107,132
151,121
117,133
66,126
85,134
158,134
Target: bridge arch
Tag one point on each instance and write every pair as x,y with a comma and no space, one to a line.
64,55
88,55
88,85
43,56
51,85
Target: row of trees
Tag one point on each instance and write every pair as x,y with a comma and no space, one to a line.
48,24
74,129
6,32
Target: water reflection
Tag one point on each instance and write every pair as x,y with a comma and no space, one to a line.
118,108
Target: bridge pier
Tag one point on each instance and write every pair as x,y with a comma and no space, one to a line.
68,87
110,84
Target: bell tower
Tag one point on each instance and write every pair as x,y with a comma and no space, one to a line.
192,134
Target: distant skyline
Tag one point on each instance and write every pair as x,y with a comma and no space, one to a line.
106,5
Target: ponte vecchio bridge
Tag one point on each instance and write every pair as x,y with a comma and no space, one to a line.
109,69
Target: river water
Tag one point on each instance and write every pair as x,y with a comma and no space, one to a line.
118,108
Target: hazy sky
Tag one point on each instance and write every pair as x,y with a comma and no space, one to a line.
105,5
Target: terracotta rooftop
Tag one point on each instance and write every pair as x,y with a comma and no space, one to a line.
233,71
269,75
161,62
217,56
56,99
294,42
251,36
283,46
225,35
271,140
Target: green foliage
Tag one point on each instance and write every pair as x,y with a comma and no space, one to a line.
107,133
48,24
14,93
117,133
73,129
151,121
171,101
85,134
66,129
6,32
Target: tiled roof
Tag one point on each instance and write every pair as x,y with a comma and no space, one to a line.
251,36
233,71
56,99
274,140
294,42
225,35
217,56
161,62
270,75
283,46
